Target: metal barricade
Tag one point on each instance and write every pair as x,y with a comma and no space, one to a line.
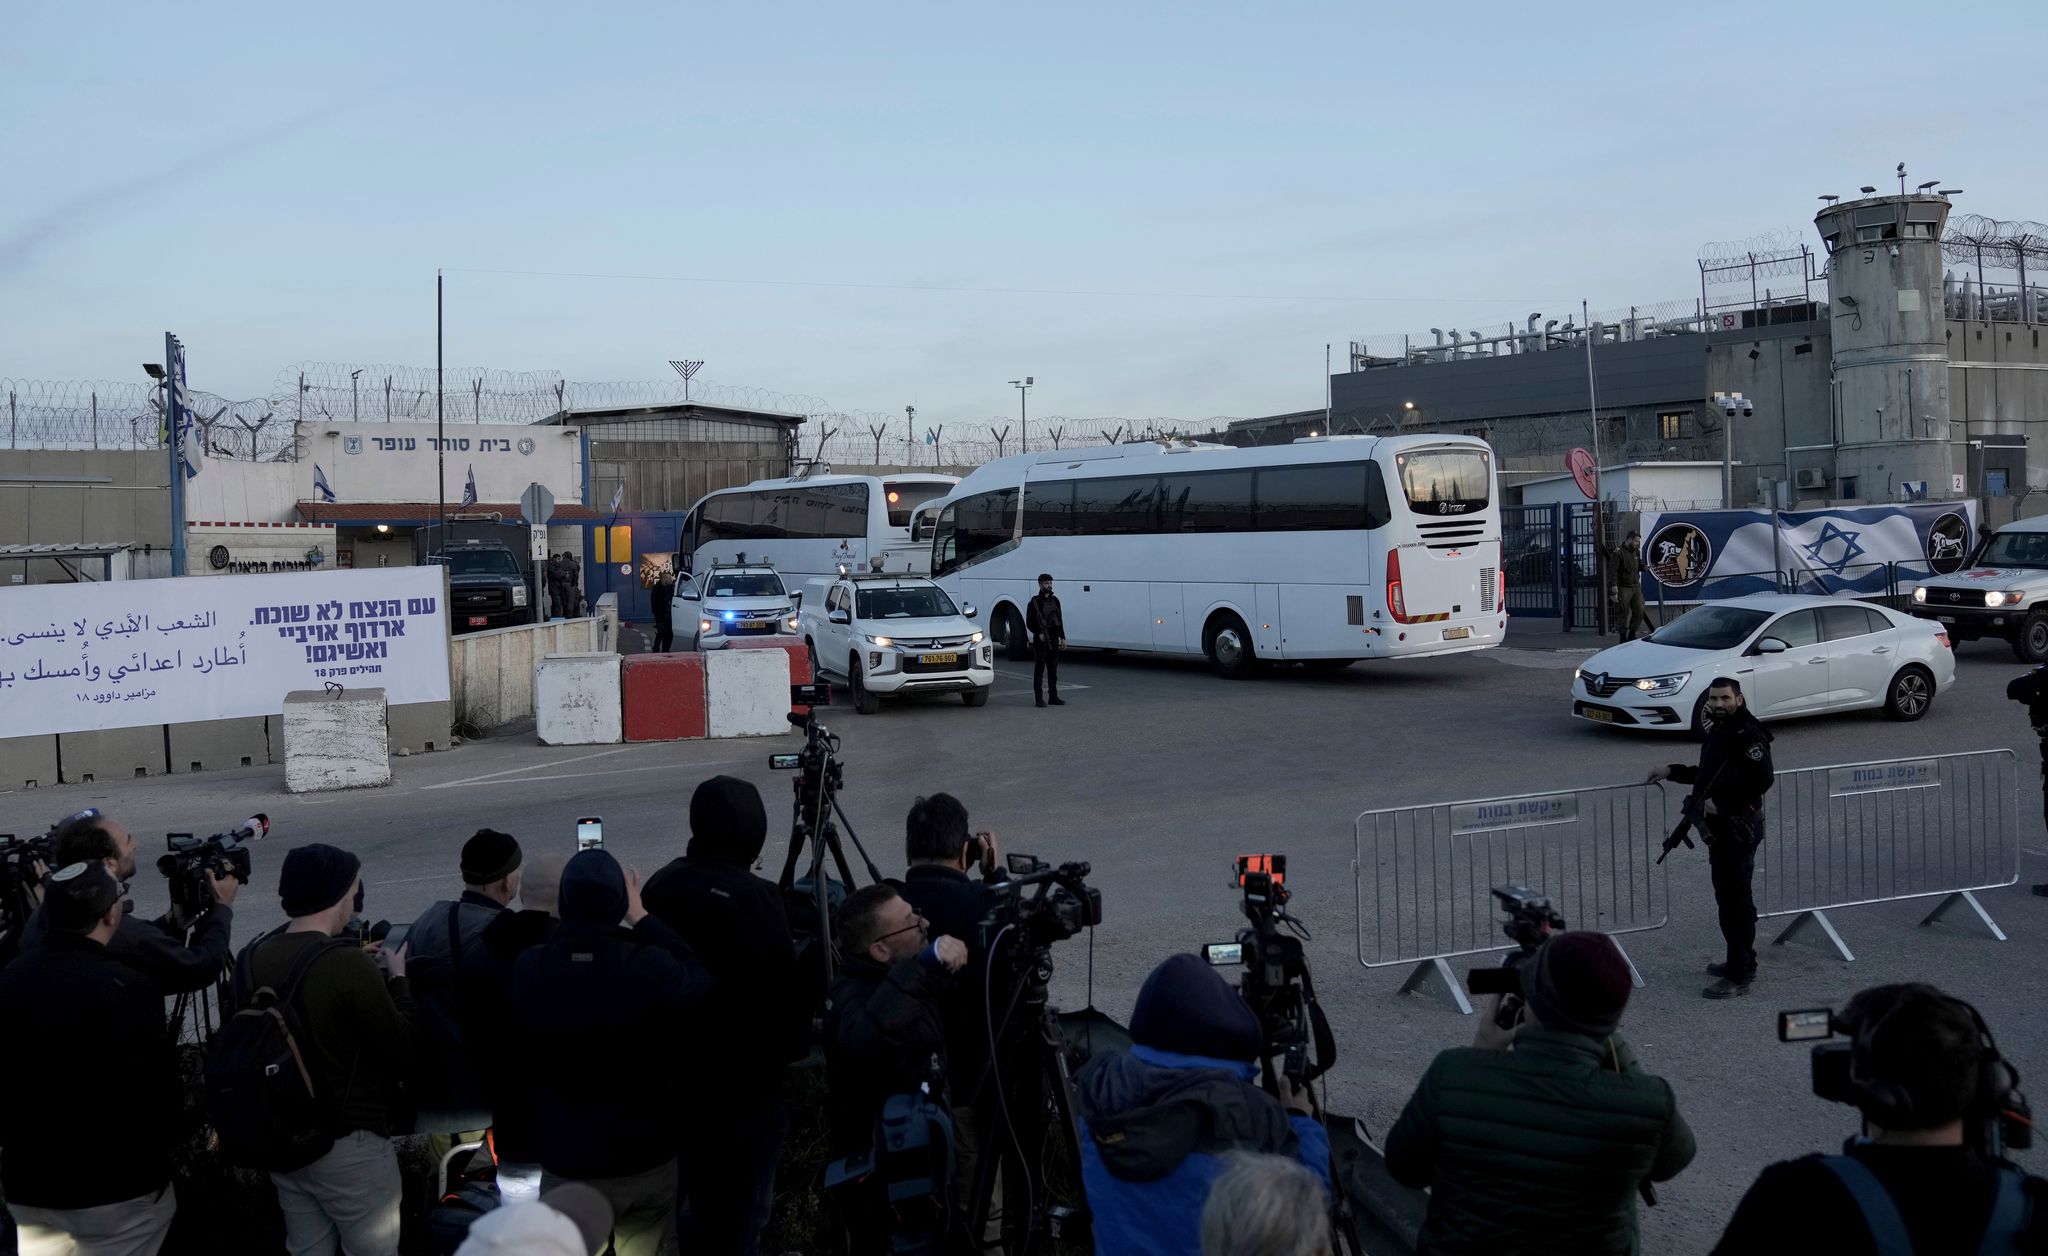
1857,833
1424,875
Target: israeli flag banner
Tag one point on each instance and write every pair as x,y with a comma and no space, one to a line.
1706,555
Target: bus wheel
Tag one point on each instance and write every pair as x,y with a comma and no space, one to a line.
1229,647
1011,632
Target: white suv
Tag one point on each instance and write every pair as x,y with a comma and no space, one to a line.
2005,594
895,634
735,600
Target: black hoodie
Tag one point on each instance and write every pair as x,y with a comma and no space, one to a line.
603,1009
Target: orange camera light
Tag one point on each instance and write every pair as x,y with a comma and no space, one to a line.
1274,866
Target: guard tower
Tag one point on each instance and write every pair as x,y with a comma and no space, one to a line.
1890,351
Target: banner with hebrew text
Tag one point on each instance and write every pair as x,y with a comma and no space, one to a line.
1705,555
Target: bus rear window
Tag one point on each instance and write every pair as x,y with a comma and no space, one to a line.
905,496
1445,481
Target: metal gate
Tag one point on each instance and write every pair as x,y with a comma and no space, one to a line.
1552,562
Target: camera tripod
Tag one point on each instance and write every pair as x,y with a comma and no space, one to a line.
816,824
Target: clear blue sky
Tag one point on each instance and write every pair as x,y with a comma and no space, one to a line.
279,183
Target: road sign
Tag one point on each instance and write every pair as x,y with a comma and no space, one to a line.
1580,463
537,504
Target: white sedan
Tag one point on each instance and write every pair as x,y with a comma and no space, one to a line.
1792,654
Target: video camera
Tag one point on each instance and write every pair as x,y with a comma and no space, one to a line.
1999,1119
1531,920
1064,905
225,855
24,861
1276,981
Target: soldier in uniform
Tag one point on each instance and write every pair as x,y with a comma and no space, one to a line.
1729,784
2032,689
1625,577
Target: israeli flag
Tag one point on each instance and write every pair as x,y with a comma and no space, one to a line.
618,495
320,484
469,489
191,449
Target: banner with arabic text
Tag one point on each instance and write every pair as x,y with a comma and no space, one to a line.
130,653
1705,555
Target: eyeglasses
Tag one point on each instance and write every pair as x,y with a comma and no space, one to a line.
916,922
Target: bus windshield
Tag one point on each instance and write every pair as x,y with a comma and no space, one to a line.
1711,628
1445,481
905,496
921,601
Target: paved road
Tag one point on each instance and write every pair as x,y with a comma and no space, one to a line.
1160,774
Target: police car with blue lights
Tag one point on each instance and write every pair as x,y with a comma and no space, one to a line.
732,601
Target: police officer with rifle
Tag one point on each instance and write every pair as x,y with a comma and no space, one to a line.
1727,807
2032,689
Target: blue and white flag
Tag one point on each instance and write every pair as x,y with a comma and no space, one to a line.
320,484
190,447
618,495
1705,555
469,489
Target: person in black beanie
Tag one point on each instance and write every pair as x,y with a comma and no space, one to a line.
89,1139
1157,1119
448,1102
1538,1137
755,1022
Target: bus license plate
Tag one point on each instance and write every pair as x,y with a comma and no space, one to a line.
1456,634
478,621
1595,713
931,659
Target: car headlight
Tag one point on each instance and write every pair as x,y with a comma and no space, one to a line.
1920,594
975,639
791,621
1658,686
2003,597
519,595
880,641
703,625
1578,674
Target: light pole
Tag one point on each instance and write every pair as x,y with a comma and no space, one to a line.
1023,387
353,392
1730,404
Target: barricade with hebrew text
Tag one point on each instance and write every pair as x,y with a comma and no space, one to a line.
1858,833
1425,874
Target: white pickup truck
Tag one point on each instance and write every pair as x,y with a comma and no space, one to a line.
2004,594
892,634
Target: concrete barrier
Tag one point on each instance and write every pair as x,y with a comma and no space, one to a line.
663,696
746,693
577,696
337,742
490,673
799,660
210,745
28,762
111,754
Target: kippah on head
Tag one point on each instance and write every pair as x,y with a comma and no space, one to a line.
488,856
77,897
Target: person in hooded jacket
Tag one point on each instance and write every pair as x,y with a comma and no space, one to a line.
601,1008
1158,1120
490,1022
753,1024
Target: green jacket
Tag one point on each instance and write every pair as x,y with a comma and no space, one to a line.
1624,568
1537,1149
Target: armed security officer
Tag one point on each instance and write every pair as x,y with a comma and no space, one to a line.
2032,689
662,598
1733,775
1625,580
1048,629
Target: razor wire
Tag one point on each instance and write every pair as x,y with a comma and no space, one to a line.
1974,240
103,414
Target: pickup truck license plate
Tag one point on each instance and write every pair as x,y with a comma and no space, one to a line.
929,659
1456,634
1595,713
478,621
1946,619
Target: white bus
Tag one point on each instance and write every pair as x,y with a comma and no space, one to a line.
1325,551
811,525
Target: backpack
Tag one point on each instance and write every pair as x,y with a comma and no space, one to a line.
260,1093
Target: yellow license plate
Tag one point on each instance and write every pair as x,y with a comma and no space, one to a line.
1456,634
1595,713
929,659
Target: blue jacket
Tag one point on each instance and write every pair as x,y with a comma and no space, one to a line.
1155,1126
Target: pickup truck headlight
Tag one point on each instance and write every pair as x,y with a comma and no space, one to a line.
1660,686
518,595
975,639
703,625
1920,594
881,641
2004,597
790,623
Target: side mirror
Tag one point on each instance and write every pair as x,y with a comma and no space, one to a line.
689,593
839,617
796,598
1770,645
969,611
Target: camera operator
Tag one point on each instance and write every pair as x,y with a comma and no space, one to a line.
1157,1119
451,1108
490,1022
156,947
1733,775
754,1023
1538,1136
356,1008
602,1010
2031,690
88,1163
1925,1074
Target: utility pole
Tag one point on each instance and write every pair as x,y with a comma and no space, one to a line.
1023,387
440,433
1592,395
354,395
909,435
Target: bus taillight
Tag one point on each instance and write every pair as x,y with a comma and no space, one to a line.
1396,605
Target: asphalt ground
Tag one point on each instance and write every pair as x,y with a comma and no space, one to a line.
1160,774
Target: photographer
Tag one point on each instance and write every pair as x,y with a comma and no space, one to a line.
1538,1137
754,1023
88,1163
1923,1071
490,1022
601,1011
1157,1119
2031,690
451,1108
156,947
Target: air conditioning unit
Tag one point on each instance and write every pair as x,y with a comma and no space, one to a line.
1812,477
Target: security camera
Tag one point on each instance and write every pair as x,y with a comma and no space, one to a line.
1895,250
1736,405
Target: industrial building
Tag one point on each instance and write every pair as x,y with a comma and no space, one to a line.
1901,359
